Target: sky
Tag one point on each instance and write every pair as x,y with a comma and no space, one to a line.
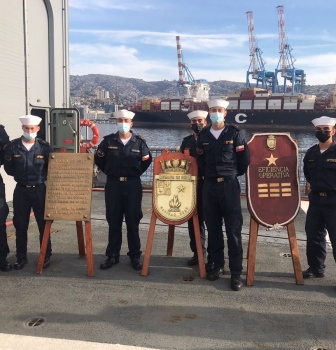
137,38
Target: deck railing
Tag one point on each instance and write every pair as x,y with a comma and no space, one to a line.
147,176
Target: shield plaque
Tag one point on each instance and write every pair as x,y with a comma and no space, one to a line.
174,190
272,179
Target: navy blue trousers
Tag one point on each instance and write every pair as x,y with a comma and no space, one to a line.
221,200
123,198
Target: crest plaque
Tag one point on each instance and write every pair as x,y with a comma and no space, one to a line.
174,201
174,190
272,179
273,196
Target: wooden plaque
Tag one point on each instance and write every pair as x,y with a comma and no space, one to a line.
69,187
174,187
272,179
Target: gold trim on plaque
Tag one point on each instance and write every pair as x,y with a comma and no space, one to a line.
260,190
274,190
286,195
271,142
274,185
275,195
263,195
262,185
285,184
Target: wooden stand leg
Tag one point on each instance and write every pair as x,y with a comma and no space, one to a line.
170,244
89,255
149,245
44,245
251,252
295,253
199,246
80,238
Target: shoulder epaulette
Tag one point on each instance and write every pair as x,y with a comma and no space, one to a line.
15,140
235,126
141,138
1,126
104,137
312,147
42,142
187,137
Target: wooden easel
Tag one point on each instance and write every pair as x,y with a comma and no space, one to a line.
170,243
283,201
252,250
81,245
171,225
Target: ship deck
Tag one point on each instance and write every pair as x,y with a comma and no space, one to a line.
119,309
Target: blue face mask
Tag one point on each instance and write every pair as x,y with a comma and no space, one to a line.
124,128
217,117
30,137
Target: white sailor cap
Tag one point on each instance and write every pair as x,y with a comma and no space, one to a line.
30,120
218,103
324,121
197,114
123,113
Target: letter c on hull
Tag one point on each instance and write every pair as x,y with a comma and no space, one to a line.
238,118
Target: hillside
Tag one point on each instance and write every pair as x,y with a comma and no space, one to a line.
127,90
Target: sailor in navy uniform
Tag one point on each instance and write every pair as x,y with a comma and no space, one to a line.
319,166
198,122
123,157
223,155
4,250
26,159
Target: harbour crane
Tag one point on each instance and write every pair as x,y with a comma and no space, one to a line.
187,86
257,69
286,62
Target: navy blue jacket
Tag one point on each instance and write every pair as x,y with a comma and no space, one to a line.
320,169
4,139
27,167
116,159
190,143
226,156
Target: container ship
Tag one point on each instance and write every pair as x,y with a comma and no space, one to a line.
250,108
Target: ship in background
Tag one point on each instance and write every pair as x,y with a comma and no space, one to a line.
268,104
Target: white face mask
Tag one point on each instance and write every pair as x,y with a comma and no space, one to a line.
30,136
124,128
217,117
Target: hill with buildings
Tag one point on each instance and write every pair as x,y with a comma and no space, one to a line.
127,90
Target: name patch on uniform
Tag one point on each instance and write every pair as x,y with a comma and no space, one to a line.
205,143
40,157
331,160
311,160
240,148
17,155
135,150
230,142
113,147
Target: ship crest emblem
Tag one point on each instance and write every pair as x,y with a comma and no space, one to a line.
271,142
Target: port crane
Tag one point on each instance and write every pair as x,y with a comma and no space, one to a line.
187,87
257,69
286,62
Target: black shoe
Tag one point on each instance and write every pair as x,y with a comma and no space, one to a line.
109,262
20,264
193,261
5,266
136,264
236,283
46,263
209,266
311,273
214,273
